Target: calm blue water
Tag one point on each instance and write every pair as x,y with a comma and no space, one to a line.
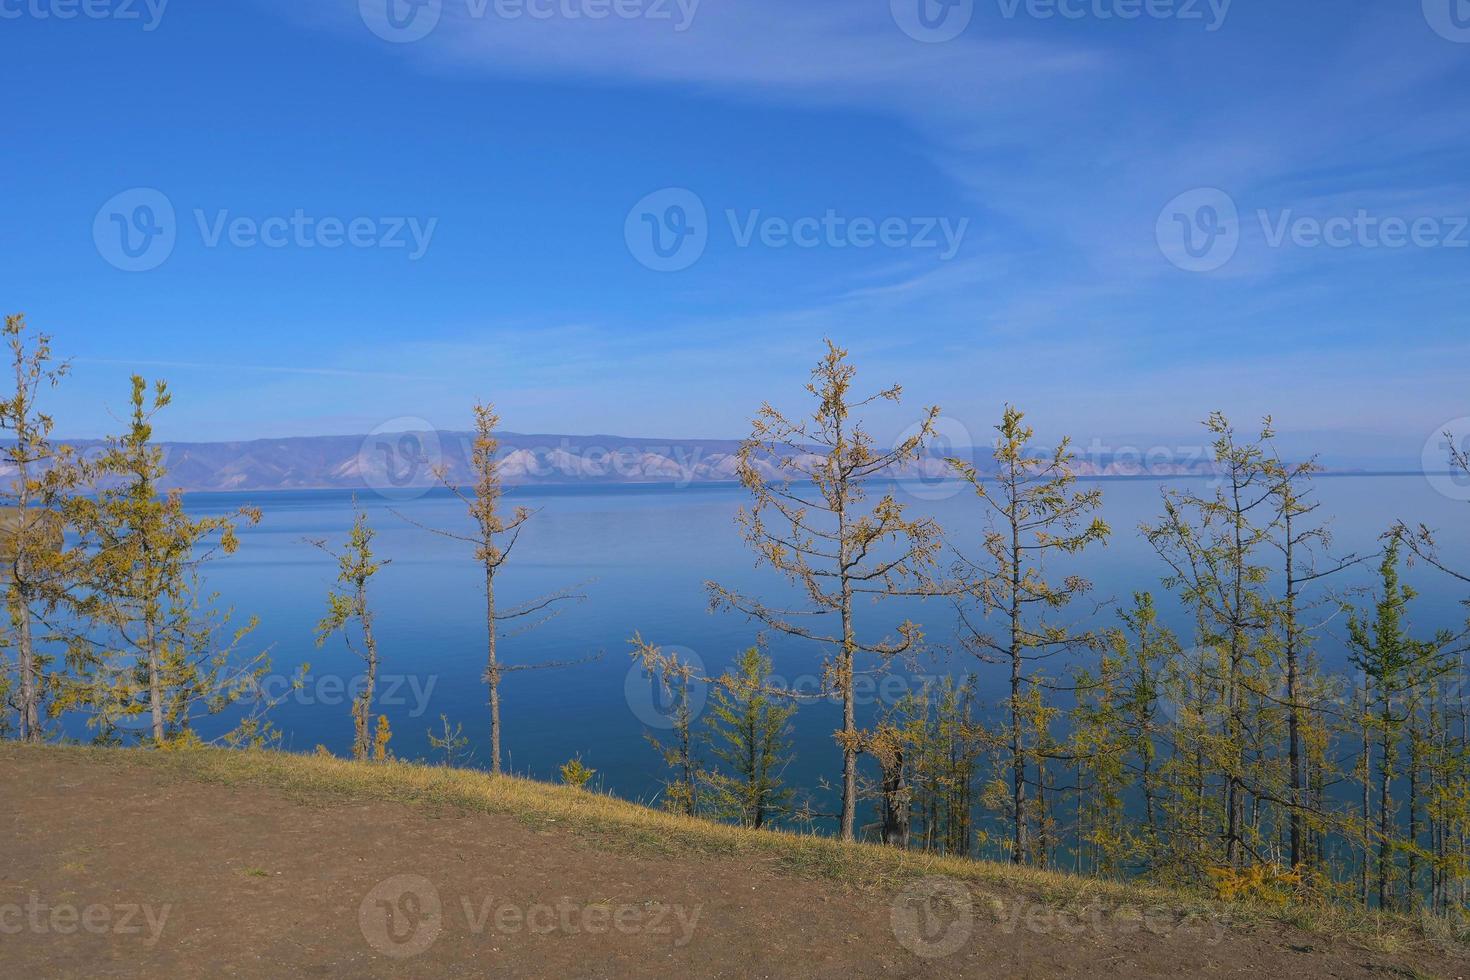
642,556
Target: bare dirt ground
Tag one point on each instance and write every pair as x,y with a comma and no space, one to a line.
120,870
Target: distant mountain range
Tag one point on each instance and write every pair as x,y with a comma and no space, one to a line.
393,462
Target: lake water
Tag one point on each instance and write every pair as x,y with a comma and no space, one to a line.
641,556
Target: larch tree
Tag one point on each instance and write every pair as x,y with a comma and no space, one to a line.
1035,516
164,653
30,525
749,730
943,742
1101,746
1395,668
810,519
1212,545
1444,738
1119,722
1300,540
676,677
349,612
493,536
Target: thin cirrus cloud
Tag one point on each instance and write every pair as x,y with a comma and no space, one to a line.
1070,138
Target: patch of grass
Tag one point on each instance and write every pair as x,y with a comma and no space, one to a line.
255,872
608,822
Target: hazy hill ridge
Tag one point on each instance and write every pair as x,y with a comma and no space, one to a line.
405,460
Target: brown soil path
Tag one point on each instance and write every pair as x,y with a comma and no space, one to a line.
127,871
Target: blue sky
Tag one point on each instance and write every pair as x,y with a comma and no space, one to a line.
1066,155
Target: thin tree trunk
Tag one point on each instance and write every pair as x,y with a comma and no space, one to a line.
1385,838
849,720
895,801
30,715
150,616
846,667
686,745
755,794
363,714
1366,768
155,679
1293,696
492,668
1235,802
1019,842
1411,886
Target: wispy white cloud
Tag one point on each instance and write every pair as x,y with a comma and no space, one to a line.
1070,141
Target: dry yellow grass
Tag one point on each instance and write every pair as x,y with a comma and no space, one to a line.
609,822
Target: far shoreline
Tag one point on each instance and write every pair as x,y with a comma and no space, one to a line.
572,487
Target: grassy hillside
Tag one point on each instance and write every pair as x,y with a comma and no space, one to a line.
607,822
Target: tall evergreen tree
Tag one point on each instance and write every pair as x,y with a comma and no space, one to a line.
349,612
31,540
1119,729
676,677
750,732
810,520
1394,667
1300,539
1036,516
1212,545
163,653
944,743
493,537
